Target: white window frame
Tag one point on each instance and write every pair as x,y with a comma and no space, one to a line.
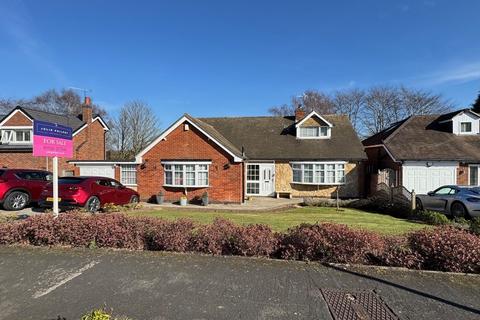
124,168
169,166
12,135
478,174
317,136
317,168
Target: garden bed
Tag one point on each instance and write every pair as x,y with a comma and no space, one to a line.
442,248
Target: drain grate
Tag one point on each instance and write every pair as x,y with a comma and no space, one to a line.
356,305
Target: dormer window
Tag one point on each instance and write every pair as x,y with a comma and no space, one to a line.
466,127
313,132
313,126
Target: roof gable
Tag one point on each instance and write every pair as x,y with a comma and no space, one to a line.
14,113
310,115
207,130
69,121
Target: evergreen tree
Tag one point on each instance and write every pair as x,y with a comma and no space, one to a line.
476,104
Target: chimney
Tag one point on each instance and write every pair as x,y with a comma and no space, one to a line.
87,110
299,113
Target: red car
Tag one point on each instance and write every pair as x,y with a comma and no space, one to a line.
89,192
20,187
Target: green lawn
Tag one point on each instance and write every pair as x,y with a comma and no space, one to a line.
280,221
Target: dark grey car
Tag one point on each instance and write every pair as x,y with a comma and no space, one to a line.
458,201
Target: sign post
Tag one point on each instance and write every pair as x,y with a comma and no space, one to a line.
52,140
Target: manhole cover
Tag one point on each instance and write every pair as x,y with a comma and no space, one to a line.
357,305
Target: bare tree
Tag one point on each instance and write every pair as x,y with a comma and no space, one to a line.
310,100
65,101
382,108
134,128
371,110
350,102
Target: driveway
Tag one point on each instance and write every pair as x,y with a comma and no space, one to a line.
40,283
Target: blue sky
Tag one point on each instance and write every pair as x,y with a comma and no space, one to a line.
218,58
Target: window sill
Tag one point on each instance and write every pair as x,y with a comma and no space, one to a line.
181,186
320,184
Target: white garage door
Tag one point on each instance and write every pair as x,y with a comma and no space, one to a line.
422,178
99,170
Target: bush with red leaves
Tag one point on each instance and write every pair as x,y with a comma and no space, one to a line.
226,238
329,243
397,253
442,248
10,233
447,249
168,235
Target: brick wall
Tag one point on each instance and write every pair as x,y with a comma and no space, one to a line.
18,119
89,144
225,176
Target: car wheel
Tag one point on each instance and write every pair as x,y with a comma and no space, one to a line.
419,204
17,200
93,204
458,210
134,199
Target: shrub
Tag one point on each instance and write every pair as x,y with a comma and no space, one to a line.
118,231
10,233
447,249
168,235
254,240
383,205
97,315
39,230
432,217
215,238
329,243
397,253
326,202
475,226
443,248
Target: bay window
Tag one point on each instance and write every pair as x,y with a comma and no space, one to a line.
318,173
186,174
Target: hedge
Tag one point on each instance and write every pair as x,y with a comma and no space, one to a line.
443,248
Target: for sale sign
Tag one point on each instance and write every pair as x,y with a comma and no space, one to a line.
52,140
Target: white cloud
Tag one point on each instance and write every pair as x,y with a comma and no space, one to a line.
16,23
458,74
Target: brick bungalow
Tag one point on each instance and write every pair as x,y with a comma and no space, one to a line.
234,158
425,152
16,138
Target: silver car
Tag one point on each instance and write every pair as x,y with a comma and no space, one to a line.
457,201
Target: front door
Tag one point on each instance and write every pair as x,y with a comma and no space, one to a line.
260,179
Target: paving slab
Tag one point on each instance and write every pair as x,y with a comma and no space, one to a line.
42,283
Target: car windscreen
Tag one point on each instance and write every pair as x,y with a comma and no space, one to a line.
70,180
2,172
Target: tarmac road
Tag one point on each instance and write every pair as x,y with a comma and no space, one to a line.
41,283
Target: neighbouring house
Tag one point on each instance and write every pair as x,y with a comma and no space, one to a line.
17,136
424,152
234,158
